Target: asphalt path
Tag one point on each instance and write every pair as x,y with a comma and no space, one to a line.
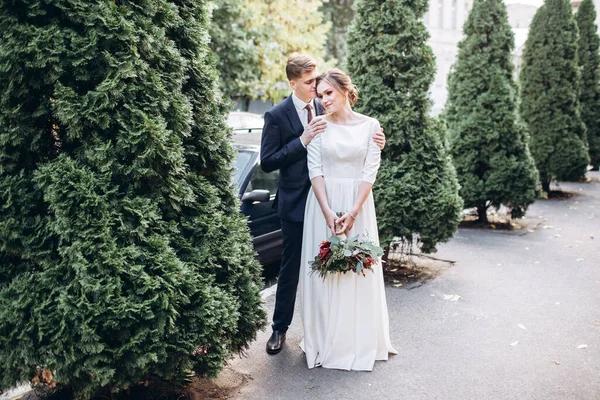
516,317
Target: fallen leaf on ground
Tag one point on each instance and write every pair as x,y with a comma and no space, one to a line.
393,270
398,285
580,259
582,346
514,343
557,235
530,230
558,302
548,226
451,297
521,326
432,295
568,246
555,362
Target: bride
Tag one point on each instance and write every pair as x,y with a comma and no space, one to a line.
345,316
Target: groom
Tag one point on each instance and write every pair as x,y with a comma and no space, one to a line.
289,127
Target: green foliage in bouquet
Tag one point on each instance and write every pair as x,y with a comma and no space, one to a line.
550,85
487,141
122,252
416,192
341,255
589,63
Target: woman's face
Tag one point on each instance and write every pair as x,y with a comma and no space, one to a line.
331,99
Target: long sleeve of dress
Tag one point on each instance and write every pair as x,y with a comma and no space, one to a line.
373,157
315,160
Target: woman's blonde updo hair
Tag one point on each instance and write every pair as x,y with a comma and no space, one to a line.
340,82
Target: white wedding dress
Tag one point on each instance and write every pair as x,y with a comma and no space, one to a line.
345,316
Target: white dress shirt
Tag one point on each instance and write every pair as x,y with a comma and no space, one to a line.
302,111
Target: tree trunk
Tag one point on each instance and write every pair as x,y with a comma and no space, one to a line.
386,254
546,185
245,101
482,214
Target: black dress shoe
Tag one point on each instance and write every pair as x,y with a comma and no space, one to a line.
275,342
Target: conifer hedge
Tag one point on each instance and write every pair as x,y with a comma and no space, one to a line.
122,254
416,193
550,84
589,63
487,141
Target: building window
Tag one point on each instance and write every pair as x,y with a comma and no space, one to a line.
440,4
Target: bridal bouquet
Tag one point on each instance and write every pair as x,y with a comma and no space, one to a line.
340,255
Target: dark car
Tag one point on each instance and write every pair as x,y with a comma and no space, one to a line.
257,190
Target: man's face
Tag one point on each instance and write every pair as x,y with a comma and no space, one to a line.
304,86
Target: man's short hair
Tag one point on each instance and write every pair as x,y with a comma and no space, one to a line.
297,64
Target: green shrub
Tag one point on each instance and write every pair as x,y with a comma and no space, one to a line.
416,192
589,64
550,84
488,143
122,254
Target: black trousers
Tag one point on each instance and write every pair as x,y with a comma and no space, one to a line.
289,273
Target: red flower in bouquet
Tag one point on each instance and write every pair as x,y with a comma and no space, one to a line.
324,248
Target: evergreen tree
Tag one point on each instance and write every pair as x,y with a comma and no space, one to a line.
232,39
550,84
340,14
589,61
487,142
286,26
416,192
251,40
122,254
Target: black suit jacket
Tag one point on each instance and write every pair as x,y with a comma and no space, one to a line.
281,149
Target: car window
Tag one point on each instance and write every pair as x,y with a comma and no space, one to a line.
241,161
263,180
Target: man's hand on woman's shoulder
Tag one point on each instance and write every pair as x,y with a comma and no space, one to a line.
379,139
314,127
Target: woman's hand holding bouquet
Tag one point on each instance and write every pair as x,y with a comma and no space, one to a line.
340,255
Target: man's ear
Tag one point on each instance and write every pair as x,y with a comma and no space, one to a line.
293,85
